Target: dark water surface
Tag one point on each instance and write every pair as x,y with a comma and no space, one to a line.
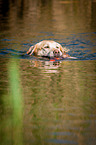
59,97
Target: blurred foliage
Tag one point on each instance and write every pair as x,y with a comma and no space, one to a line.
11,127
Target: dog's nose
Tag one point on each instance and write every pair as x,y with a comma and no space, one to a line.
56,53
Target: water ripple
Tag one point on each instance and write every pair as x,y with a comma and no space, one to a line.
60,141
82,46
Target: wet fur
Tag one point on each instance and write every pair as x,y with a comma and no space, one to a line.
39,48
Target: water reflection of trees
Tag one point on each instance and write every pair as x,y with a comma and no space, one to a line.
60,99
77,13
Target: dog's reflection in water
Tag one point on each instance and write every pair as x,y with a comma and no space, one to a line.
47,66
48,49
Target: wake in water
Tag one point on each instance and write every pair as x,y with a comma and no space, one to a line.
23,55
76,55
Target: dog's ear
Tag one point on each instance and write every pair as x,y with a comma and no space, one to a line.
29,52
62,49
32,50
64,52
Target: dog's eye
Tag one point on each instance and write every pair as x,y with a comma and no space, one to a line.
46,46
57,47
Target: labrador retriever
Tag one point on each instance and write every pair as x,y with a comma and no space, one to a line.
49,49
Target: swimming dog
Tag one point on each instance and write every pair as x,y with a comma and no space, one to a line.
48,48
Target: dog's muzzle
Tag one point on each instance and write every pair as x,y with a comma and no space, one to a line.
56,53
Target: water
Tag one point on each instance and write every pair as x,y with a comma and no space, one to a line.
59,97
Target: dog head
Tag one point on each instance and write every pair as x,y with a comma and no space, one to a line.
46,48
